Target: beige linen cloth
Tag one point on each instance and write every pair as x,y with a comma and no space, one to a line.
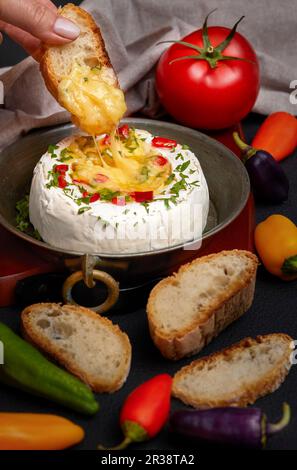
132,28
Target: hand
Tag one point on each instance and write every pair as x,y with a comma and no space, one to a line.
32,22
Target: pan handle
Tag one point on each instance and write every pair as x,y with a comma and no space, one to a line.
89,275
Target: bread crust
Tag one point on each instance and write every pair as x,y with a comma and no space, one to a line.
46,346
244,396
46,68
227,307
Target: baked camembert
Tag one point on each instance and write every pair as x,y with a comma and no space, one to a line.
124,194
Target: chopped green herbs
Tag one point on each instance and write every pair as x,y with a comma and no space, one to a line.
146,206
81,210
22,218
51,150
53,178
181,168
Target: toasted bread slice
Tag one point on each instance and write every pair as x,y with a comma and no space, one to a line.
89,51
187,310
88,345
235,376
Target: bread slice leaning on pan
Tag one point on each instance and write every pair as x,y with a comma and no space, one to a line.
89,52
235,376
88,345
187,310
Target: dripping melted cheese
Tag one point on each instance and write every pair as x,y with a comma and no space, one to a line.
122,165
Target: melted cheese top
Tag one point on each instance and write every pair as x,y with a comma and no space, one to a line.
93,99
121,165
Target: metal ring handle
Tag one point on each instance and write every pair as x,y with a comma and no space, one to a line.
109,281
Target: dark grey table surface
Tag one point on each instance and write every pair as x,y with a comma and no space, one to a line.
274,310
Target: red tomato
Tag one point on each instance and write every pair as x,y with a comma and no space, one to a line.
202,96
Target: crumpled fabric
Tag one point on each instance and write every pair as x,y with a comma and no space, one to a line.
132,29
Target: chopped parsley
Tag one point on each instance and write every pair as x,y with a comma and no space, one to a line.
181,168
22,218
81,210
53,178
51,150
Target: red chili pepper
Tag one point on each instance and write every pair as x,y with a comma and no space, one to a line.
95,197
161,161
62,182
119,200
101,178
124,131
145,411
61,168
106,140
162,142
277,135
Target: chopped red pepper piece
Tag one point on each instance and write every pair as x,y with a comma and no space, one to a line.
95,197
119,200
101,178
124,131
62,182
162,142
142,196
61,168
161,161
106,140
85,194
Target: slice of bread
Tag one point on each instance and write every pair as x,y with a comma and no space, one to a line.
88,48
88,345
187,310
235,376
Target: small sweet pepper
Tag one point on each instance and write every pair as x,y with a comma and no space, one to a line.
28,431
276,243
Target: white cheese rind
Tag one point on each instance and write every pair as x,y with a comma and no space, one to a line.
110,229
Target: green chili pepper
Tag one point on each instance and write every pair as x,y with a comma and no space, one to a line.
26,368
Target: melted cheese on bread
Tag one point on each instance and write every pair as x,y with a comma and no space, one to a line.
91,95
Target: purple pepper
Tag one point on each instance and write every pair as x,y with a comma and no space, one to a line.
268,180
247,427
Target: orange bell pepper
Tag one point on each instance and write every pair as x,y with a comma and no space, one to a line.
276,243
277,135
26,431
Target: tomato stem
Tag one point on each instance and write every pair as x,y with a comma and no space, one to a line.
208,52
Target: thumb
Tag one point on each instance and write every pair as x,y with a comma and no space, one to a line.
39,20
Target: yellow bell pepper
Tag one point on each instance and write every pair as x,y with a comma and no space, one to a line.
276,243
26,431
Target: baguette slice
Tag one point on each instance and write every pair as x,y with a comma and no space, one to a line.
235,376
88,345
87,50
187,310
